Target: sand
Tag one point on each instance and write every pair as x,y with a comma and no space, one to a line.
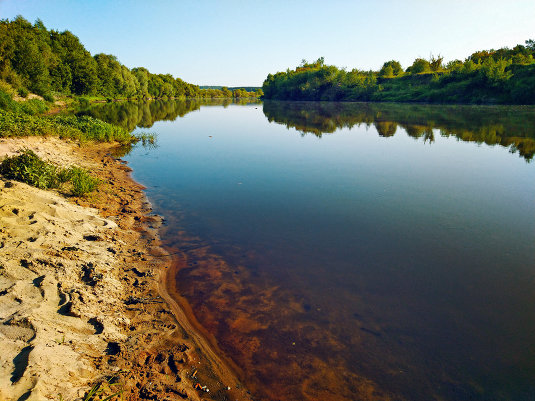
83,292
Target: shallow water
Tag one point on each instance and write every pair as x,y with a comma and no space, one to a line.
353,251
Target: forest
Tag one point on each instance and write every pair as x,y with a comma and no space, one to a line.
46,62
503,76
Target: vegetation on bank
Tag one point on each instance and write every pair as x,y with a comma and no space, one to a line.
226,93
503,76
29,168
48,63
18,119
82,128
25,118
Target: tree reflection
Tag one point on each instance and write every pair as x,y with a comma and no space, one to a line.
131,115
385,128
508,126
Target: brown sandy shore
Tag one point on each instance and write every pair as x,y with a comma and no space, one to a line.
83,293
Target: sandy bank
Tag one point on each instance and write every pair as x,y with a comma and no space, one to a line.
82,290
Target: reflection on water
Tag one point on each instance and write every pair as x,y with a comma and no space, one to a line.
144,114
359,265
509,126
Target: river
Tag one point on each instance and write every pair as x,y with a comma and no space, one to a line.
343,251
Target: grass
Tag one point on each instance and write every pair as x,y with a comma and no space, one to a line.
98,391
27,119
19,119
29,168
84,128
31,107
147,139
82,182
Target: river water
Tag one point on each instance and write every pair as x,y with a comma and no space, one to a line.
352,251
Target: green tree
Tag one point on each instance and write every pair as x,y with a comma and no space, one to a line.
83,66
226,92
495,72
420,66
142,76
390,69
435,63
454,66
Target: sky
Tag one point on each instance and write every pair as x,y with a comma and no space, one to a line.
238,42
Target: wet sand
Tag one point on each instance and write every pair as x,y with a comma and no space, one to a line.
83,292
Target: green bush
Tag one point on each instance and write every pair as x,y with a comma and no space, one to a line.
6,102
33,106
7,88
82,182
29,168
83,103
23,92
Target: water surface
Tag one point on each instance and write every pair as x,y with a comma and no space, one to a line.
354,251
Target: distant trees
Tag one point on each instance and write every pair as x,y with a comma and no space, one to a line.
495,72
435,63
419,66
391,69
226,93
317,81
42,61
488,76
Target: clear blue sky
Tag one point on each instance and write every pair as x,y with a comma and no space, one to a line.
239,42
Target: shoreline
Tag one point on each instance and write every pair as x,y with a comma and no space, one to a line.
120,320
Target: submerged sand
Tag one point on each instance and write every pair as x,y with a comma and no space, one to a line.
83,292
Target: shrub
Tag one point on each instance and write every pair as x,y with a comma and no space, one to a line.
82,182
6,102
29,168
23,92
33,106
5,87
420,66
83,102
48,97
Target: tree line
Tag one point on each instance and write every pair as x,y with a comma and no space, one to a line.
503,76
35,59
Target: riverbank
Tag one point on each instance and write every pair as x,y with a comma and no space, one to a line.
83,291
